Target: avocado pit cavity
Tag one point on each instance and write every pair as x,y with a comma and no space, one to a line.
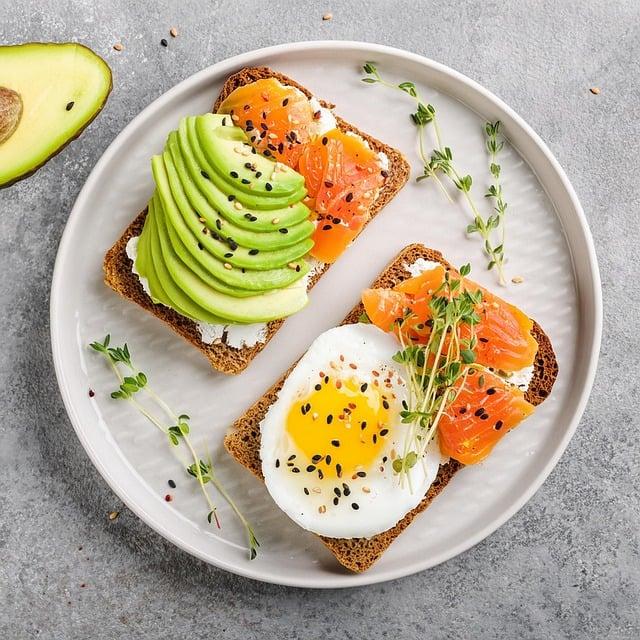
10,112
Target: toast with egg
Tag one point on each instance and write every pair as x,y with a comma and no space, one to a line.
117,266
358,554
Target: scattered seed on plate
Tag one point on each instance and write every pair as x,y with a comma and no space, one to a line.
595,90
118,46
164,42
173,32
327,16
113,515
517,279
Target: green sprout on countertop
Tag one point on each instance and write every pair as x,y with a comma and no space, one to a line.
131,388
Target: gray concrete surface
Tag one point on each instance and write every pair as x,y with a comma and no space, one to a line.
567,566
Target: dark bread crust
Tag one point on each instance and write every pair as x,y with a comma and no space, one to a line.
223,357
358,554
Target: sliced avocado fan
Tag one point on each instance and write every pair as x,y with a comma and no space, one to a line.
195,253
49,92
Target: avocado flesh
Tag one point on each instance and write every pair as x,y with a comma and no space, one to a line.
165,268
224,148
171,194
49,77
219,201
201,264
191,263
251,239
191,296
248,199
189,230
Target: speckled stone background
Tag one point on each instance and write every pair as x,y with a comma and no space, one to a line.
566,566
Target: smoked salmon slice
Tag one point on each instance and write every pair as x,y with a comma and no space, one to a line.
504,340
343,177
278,119
485,408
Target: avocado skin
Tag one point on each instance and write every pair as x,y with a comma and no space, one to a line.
78,132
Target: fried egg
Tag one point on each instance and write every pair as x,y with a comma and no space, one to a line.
329,440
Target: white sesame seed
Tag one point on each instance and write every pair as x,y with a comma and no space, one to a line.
237,205
316,490
235,118
227,266
275,221
517,279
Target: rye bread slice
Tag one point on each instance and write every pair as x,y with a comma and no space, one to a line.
223,357
358,554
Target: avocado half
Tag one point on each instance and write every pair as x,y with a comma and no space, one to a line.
49,92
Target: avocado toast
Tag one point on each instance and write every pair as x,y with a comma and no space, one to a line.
226,236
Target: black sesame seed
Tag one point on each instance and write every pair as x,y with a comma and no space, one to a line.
292,457
329,419
253,252
228,255
349,197
283,230
248,216
347,491
384,174
491,391
335,443
245,181
375,438
233,174
258,174
483,339
362,474
325,140
172,484
295,470
484,416
463,410
479,412
337,491
164,42
230,197
316,458
253,218
363,425
263,125
267,153
233,245
268,186
306,491
248,165
277,463
336,501
311,468
336,220
285,102
224,122
328,459
355,506
339,470
384,432
205,175
326,379
363,387
200,246
69,105
327,227
219,224
318,387
385,404
320,474
498,425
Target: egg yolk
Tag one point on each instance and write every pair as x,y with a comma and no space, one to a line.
340,427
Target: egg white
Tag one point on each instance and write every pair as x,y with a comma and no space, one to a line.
381,499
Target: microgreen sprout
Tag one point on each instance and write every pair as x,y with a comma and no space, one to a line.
441,162
437,370
177,432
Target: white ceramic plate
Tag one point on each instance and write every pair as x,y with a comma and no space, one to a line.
548,244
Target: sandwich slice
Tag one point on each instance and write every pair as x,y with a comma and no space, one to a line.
329,438
252,204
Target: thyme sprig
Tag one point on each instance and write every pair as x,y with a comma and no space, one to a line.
440,161
436,371
424,115
131,387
